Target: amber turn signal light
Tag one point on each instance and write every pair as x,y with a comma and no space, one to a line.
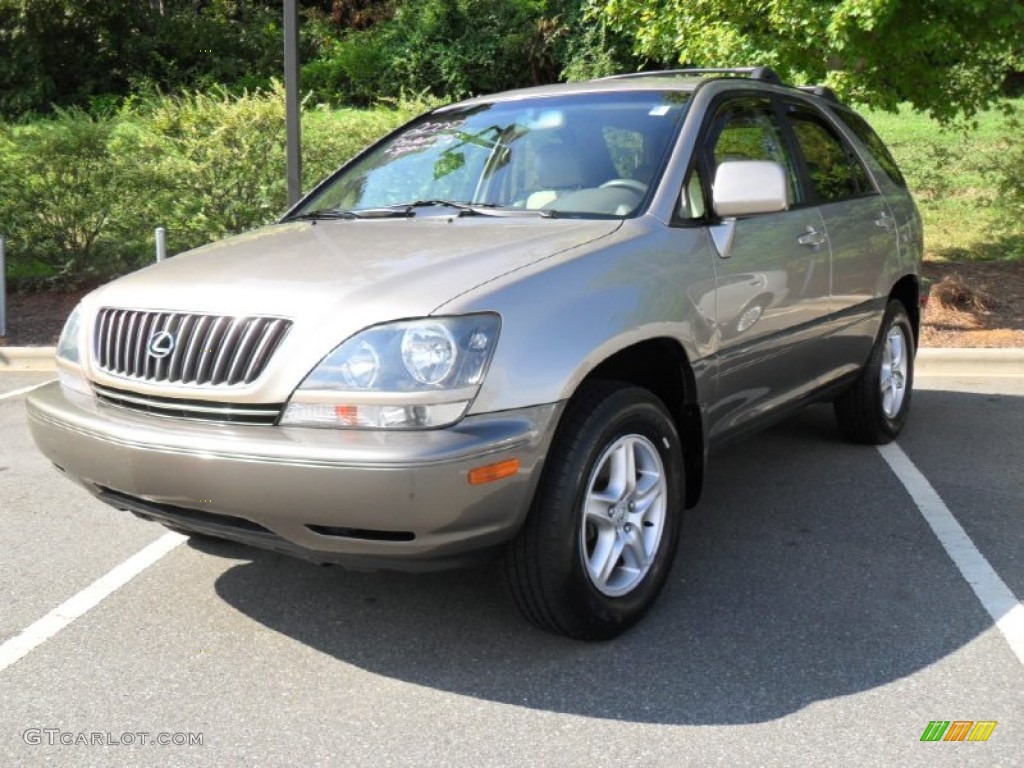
493,472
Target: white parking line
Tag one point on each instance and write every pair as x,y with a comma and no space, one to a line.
25,390
76,606
1000,602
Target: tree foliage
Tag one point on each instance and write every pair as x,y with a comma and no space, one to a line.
448,48
71,52
946,57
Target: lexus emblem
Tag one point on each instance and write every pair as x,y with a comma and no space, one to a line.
161,344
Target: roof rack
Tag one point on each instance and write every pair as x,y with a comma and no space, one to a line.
754,73
820,90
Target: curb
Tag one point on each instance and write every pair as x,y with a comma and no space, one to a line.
931,361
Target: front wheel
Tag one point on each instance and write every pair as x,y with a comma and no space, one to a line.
600,539
875,408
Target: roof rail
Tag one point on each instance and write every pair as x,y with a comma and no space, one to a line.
754,73
820,90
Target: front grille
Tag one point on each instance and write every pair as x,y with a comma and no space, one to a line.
196,410
201,350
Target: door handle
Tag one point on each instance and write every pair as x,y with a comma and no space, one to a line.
812,238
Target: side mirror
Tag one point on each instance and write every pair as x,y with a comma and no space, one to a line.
746,187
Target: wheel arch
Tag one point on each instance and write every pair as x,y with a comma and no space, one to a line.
661,366
907,290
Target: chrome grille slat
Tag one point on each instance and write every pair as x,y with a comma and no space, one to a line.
206,359
209,350
119,340
129,341
241,353
196,410
148,361
140,345
163,364
177,357
203,353
226,348
108,347
271,338
260,344
192,356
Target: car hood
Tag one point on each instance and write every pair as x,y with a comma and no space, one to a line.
333,278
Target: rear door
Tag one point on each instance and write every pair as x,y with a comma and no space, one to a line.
861,229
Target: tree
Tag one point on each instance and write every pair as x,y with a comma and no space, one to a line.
946,57
68,52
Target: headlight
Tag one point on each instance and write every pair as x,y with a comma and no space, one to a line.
407,375
67,347
429,352
68,350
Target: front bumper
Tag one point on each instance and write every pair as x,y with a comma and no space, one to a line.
366,499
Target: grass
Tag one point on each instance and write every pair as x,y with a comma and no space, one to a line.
20,271
955,177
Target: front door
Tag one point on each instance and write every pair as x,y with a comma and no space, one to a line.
772,285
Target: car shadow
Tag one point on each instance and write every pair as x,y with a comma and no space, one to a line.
785,592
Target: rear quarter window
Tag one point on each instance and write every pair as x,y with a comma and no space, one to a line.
874,144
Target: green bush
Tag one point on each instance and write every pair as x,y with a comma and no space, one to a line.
353,70
69,192
83,193
221,162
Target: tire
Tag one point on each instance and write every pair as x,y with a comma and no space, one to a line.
565,573
875,408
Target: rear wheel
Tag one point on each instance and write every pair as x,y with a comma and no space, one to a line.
599,541
875,408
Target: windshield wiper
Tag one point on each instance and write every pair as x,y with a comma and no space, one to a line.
469,209
324,213
465,209
364,213
407,210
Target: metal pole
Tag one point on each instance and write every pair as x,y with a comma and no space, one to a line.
291,100
161,243
3,289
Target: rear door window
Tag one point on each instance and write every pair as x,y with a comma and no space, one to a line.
833,170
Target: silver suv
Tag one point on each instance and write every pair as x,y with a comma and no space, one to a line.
515,326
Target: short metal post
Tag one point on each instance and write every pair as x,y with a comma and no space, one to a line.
161,243
293,115
3,289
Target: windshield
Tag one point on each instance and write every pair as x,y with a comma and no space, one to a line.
594,154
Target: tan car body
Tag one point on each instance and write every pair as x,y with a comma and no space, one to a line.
575,297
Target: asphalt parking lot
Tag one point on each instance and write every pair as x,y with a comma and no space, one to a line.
814,617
